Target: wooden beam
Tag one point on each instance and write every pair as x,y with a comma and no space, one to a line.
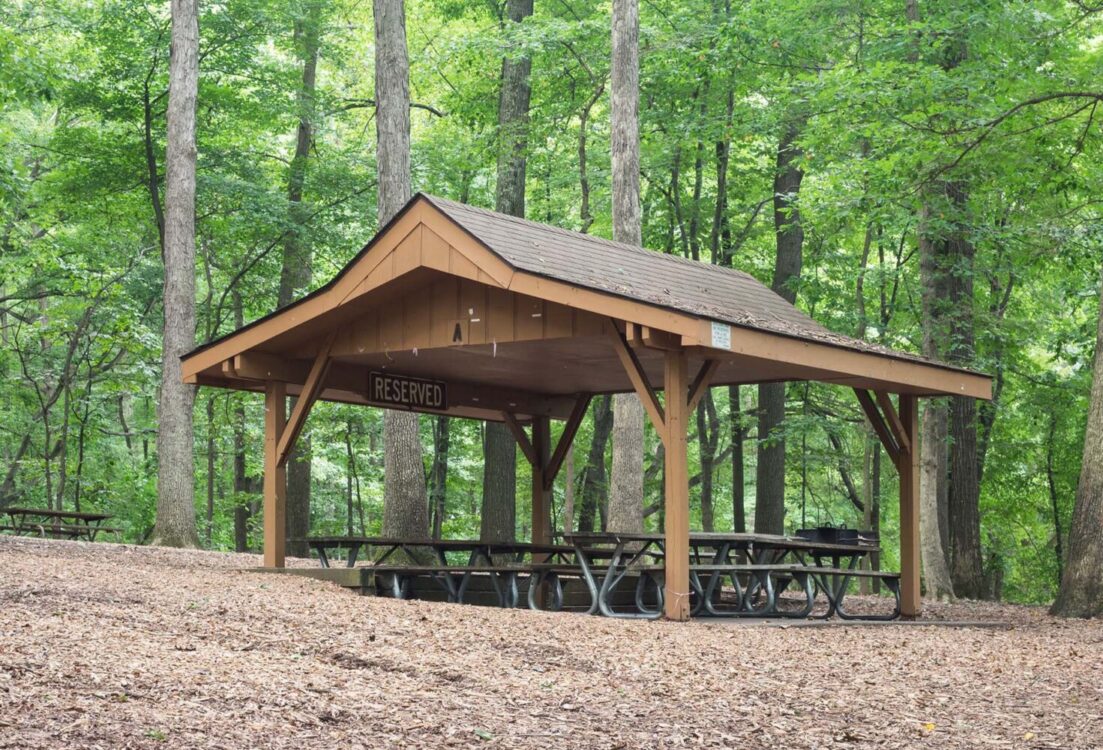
837,362
344,376
893,419
521,437
638,377
702,381
878,424
311,389
275,476
566,439
641,336
908,466
676,586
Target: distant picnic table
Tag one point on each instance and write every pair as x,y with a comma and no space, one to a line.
758,567
68,524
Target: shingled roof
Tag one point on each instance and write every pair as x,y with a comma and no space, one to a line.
710,291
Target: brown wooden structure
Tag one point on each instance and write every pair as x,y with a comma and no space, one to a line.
457,310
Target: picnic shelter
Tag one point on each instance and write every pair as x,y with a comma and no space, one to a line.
452,309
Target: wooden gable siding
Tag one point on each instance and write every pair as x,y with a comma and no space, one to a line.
454,311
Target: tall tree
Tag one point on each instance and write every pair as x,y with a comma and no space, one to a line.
296,271
405,509
933,455
626,490
769,516
499,509
966,563
1081,593
175,524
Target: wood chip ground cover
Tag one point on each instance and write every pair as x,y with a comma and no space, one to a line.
112,646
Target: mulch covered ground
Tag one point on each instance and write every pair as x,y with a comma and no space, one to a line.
114,646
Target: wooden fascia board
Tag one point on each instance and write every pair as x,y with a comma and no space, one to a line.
310,307
842,362
465,244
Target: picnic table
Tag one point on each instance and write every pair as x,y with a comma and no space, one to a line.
398,561
69,524
759,566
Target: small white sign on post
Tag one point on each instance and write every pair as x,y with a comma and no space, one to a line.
721,335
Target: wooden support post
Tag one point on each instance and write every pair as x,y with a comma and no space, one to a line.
275,475
541,497
908,466
676,387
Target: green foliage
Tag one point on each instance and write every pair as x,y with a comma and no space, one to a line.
973,91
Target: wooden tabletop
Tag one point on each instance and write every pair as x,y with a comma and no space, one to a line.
715,538
58,514
441,544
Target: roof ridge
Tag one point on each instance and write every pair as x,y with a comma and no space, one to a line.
638,249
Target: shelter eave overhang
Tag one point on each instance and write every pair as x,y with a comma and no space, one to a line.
423,242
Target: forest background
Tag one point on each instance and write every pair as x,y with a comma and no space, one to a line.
922,175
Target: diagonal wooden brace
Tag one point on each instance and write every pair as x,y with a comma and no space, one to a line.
520,436
566,439
894,421
315,382
702,382
879,426
638,378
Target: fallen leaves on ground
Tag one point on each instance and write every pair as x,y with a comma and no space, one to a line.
114,646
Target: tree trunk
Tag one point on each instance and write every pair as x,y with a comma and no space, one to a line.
499,508
1081,593
405,511
708,439
1055,508
626,491
438,476
933,446
594,485
932,471
739,500
175,523
966,563
789,234
296,271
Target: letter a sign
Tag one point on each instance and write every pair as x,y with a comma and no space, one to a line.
415,394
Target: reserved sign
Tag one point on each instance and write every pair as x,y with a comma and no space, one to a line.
409,393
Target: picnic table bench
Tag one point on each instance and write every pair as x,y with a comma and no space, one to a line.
68,524
759,568
764,566
501,562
